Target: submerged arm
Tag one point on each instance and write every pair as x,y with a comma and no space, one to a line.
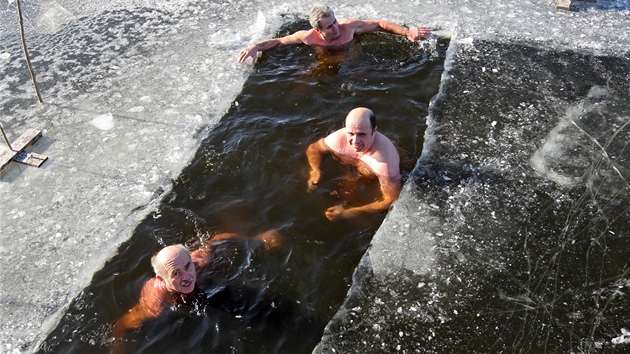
218,237
390,189
150,306
130,321
269,239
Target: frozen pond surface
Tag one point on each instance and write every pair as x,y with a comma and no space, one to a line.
514,235
131,89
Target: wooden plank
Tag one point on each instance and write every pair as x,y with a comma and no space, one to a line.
30,158
6,156
563,4
29,137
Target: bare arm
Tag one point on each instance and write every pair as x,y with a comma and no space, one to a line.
218,237
252,51
314,154
385,26
269,239
390,189
150,305
130,321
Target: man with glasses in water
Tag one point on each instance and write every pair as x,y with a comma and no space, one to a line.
179,274
327,32
370,152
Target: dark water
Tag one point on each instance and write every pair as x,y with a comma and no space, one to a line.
250,175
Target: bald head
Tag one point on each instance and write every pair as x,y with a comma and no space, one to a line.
359,114
173,266
166,256
360,129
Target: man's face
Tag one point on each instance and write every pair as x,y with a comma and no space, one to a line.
359,133
330,28
180,270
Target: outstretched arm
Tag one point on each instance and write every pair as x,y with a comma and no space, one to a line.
314,154
390,189
385,26
252,51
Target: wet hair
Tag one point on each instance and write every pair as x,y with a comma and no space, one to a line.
158,268
317,13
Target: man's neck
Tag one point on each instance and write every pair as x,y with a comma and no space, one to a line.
321,35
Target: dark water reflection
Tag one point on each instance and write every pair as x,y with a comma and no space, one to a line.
250,175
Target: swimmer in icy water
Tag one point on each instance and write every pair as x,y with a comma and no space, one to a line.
328,33
370,152
179,274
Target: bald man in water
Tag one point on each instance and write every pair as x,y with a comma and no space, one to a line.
372,154
179,273
327,32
